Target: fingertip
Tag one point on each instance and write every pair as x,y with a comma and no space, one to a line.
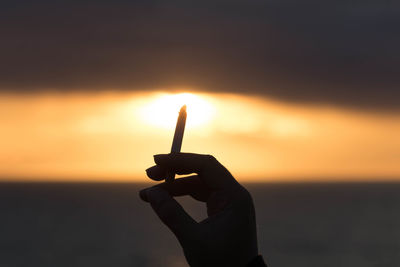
156,173
143,195
157,195
154,194
160,159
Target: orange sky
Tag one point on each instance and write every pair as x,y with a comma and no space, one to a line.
113,135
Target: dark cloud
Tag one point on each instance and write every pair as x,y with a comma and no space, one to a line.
328,52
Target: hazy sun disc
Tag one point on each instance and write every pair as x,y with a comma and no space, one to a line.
162,111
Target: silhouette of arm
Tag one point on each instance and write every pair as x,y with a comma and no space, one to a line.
228,236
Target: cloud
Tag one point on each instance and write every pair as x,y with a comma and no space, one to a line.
324,52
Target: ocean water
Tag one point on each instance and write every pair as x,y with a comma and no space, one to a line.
83,225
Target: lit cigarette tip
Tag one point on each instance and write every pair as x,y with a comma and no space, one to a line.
183,108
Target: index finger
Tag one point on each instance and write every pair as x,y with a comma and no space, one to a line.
210,171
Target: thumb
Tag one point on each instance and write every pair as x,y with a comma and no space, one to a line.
170,212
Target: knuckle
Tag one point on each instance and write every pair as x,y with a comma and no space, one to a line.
208,162
246,195
210,158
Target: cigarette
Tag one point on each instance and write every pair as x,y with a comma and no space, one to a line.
178,137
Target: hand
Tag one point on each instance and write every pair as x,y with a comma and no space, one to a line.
228,236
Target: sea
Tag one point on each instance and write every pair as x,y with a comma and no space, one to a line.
106,224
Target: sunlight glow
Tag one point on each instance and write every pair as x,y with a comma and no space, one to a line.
163,109
113,136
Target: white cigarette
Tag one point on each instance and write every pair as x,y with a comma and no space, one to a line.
178,137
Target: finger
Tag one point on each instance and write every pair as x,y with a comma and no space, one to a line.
191,186
209,169
183,163
171,212
156,173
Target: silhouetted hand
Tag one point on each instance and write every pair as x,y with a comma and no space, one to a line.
228,236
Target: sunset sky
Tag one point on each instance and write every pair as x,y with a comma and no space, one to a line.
276,90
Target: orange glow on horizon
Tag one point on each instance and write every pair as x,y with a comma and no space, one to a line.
112,136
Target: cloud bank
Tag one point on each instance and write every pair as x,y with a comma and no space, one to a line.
324,52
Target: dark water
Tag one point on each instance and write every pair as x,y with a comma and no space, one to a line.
108,225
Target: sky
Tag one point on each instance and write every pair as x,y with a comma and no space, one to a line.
294,89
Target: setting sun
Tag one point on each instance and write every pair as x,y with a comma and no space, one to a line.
162,110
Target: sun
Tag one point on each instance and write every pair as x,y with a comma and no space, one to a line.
162,110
